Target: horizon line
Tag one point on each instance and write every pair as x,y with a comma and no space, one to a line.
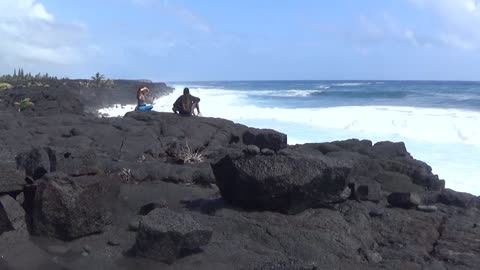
321,80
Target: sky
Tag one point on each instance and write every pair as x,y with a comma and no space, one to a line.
190,40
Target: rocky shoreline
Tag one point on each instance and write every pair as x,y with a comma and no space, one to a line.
158,191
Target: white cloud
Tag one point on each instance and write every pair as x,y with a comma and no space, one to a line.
21,9
458,21
386,28
183,14
195,21
32,37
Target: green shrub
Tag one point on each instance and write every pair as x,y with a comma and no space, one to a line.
23,104
109,83
5,86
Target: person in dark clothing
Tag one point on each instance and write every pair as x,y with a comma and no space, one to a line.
186,104
142,92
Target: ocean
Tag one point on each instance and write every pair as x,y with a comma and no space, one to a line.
438,121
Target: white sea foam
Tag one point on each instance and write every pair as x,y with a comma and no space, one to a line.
447,139
246,93
116,110
293,93
351,84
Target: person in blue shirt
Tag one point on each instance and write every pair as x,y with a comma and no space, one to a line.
142,93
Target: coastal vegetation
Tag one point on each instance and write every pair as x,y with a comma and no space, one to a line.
21,79
5,86
98,81
23,104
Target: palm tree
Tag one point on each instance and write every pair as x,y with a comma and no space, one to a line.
23,104
98,79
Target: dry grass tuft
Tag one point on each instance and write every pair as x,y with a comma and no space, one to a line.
126,175
188,155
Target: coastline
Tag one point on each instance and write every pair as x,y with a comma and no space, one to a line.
251,198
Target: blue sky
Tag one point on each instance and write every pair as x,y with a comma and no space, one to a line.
174,40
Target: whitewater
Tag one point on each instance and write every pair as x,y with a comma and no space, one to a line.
438,127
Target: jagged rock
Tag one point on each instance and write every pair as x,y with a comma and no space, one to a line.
203,176
367,191
374,257
460,199
165,235
113,242
371,256
12,215
397,182
149,207
376,212
267,152
430,197
134,224
68,208
458,243
352,145
37,162
265,138
325,148
425,178
12,181
252,150
87,248
288,184
419,172
20,198
390,150
387,163
78,163
427,208
404,200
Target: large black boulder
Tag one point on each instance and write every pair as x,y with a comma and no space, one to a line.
70,207
166,236
265,138
36,162
387,163
459,199
288,184
77,163
390,150
404,199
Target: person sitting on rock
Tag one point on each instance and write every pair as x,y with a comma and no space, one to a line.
186,104
142,92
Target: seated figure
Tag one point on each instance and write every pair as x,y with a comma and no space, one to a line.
142,92
186,104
